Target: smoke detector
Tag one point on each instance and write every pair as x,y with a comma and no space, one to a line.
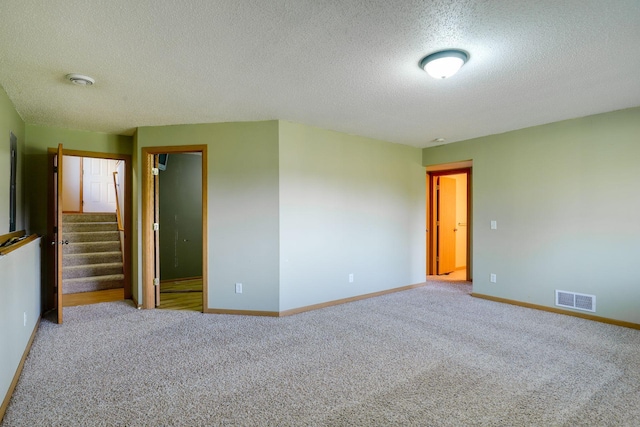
80,80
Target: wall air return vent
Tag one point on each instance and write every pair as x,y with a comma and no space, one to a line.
575,300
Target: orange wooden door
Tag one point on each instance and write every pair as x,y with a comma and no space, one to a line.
59,241
156,233
446,225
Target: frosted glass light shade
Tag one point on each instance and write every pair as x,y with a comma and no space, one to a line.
443,64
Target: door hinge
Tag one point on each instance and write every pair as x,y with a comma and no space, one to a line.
155,171
437,187
156,281
438,223
156,226
55,169
437,258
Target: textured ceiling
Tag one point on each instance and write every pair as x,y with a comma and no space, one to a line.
346,65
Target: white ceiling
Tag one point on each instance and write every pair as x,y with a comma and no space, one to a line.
346,65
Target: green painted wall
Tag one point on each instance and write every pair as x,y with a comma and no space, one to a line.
181,217
19,296
292,210
348,205
566,198
10,121
19,270
242,207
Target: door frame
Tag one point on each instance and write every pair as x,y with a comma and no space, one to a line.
48,299
431,223
148,208
58,243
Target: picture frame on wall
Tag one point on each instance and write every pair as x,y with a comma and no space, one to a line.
13,148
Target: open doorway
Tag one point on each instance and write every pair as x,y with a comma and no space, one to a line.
180,233
93,185
90,221
174,212
448,224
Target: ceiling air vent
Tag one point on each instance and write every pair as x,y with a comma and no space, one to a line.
574,300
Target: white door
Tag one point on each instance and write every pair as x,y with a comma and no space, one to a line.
97,184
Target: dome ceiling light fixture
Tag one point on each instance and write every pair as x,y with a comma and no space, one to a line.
444,63
80,80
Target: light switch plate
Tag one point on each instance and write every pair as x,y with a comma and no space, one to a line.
494,225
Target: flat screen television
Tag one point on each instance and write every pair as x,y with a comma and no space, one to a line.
162,161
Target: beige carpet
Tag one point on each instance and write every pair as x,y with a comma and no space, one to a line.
432,356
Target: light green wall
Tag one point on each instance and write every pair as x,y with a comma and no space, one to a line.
292,210
242,207
566,197
19,295
348,205
19,270
10,121
41,138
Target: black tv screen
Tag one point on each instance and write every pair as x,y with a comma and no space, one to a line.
162,161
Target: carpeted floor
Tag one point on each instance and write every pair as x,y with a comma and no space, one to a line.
432,356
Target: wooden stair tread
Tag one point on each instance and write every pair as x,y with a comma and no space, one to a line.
104,278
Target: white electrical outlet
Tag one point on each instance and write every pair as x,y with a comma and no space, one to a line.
493,278
351,278
238,288
25,318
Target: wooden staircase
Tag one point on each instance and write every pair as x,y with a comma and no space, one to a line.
92,261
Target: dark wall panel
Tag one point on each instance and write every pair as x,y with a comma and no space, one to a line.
181,217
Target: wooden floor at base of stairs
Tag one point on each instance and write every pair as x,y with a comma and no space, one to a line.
84,298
